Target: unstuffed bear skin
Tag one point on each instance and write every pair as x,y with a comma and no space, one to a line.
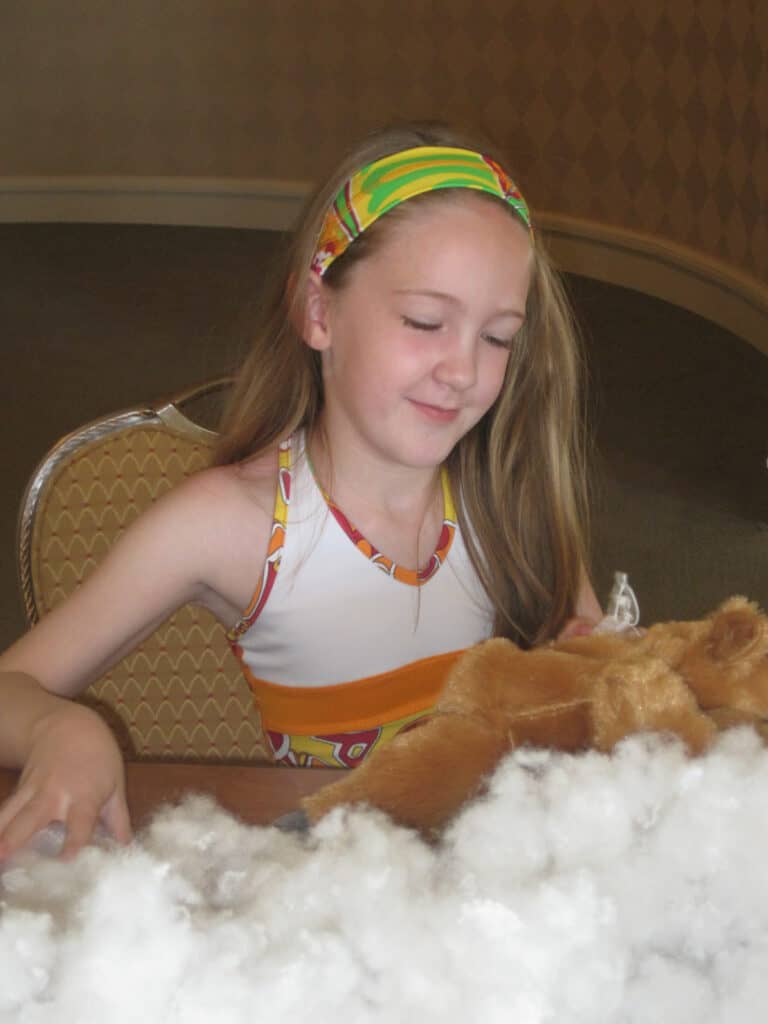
689,679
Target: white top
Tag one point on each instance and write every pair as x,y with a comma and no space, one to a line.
333,615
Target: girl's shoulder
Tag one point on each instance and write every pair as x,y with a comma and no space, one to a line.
240,489
205,542
232,508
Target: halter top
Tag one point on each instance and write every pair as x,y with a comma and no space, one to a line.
342,647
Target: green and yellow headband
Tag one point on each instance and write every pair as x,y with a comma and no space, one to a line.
385,183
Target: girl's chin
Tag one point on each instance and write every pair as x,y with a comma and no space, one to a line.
427,452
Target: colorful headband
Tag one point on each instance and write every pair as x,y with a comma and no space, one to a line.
385,183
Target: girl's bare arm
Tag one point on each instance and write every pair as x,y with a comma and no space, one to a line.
200,543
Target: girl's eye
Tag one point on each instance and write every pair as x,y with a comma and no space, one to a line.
499,342
420,325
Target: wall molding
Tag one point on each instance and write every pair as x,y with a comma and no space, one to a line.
656,266
647,263
190,202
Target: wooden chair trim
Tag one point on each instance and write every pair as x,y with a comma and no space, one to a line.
169,411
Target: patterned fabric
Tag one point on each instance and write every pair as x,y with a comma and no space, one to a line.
375,189
336,750
338,726
413,577
275,548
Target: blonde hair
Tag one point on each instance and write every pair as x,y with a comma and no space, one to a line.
518,475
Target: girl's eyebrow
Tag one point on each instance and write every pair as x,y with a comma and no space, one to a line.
453,300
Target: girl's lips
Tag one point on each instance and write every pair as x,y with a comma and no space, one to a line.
435,412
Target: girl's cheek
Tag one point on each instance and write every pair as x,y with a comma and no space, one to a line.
495,361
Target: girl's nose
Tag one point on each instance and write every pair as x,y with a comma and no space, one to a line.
457,368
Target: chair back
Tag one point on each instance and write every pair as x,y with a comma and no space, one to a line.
181,694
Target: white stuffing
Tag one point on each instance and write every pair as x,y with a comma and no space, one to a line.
582,889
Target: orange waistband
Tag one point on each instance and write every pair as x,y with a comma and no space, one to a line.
346,707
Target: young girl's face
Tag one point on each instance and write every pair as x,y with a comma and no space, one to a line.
416,342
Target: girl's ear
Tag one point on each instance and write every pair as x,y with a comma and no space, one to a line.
316,332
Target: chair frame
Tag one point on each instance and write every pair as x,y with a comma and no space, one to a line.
164,412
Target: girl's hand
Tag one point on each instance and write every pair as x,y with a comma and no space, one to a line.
73,774
578,626
588,613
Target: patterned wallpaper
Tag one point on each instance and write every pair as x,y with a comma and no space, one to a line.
652,117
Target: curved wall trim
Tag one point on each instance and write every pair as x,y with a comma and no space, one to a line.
658,267
647,263
191,202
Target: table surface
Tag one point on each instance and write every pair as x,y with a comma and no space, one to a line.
256,793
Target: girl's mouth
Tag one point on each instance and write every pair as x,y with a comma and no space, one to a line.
437,413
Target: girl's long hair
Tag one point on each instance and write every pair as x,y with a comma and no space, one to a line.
518,476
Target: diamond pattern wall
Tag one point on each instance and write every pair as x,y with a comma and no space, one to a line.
651,117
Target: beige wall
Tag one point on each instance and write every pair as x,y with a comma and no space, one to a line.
652,117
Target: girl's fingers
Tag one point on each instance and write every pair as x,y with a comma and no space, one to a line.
576,627
29,816
8,811
80,824
115,816
22,817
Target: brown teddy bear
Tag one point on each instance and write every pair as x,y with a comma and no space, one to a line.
690,679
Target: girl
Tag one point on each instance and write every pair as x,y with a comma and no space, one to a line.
400,469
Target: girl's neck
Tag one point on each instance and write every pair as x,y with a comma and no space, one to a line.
399,509
351,475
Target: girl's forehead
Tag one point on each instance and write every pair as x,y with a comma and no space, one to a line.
469,254
473,214
462,227
440,203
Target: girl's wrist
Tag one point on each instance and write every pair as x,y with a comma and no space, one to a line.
61,713
32,715
25,704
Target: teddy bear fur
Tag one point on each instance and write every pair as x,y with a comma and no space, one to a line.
690,679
